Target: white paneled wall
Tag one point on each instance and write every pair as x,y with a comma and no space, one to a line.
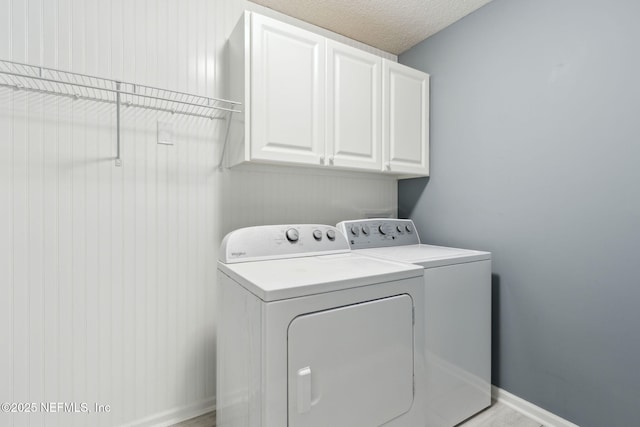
107,274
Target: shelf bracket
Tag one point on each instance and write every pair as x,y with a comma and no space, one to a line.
118,159
226,136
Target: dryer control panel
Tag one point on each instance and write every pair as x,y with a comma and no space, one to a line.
379,232
281,241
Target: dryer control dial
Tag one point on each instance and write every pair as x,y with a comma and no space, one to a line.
317,234
355,230
292,235
331,235
383,229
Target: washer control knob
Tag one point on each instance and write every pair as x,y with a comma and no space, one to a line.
355,230
382,228
409,229
317,234
292,235
365,230
331,235
400,229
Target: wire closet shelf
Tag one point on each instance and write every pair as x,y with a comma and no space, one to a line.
51,81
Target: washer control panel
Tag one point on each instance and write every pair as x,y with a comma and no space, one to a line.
281,241
379,232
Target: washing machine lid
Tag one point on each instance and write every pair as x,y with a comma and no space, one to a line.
427,256
277,279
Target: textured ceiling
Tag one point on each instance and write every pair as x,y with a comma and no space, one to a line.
391,25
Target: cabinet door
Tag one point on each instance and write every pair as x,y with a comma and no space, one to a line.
351,366
287,93
354,112
406,119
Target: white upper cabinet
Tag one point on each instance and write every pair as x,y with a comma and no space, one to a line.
405,119
354,109
308,100
287,92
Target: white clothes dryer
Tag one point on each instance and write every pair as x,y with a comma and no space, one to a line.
310,334
457,286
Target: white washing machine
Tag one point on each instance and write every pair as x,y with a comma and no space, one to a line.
311,334
457,314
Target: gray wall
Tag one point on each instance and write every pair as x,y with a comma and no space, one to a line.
536,157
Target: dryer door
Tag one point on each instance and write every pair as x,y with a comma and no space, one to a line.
351,366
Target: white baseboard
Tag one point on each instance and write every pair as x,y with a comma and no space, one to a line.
176,415
532,411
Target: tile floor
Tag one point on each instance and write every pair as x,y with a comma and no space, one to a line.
498,415
206,420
